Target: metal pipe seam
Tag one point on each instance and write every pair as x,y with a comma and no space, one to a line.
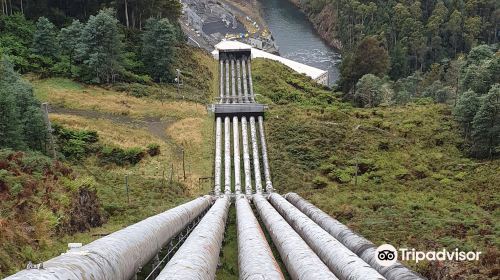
227,155
301,262
236,156
341,261
256,159
218,156
121,254
362,247
246,156
267,173
255,258
198,257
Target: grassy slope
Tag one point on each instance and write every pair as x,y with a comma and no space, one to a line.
126,121
415,187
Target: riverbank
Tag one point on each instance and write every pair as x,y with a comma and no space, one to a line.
324,22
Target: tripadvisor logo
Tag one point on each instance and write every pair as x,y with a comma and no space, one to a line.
387,255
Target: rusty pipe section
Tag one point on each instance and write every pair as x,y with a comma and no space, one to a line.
255,258
218,155
256,160
227,155
121,254
236,156
246,156
342,262
301,262
197,258
362,247
267,173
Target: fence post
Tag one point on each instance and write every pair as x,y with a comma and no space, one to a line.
45,111
126,188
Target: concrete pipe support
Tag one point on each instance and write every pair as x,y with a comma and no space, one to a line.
255,258
301,262
120,255
197,258
341,261
362,247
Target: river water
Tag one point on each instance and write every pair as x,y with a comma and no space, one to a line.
297,39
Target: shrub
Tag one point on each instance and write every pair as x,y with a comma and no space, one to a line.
153,149
120,156
319,183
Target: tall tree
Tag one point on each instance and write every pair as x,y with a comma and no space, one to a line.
486,126
368,91
158,48
69,38
467,105
101,48
45,39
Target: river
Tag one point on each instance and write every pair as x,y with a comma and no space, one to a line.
297,39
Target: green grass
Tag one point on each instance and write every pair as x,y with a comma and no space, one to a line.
228,269
414,187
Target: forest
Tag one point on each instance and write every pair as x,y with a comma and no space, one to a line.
395,52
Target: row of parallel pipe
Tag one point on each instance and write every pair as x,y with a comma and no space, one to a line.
236,85
120,255
232,161
359,245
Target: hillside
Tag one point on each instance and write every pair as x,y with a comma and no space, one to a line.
414,187
122,122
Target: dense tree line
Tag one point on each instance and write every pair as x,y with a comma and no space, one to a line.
99,50
415,34
132,13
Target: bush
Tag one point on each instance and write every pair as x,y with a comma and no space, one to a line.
153,149
75,144
319,183
120,156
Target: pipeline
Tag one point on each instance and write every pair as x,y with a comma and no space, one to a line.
236,156
120,255
227,155
256,161
267,173
218,155
197,258
252,97
245,81
246,156
227,97
362,247
342,262
238,73
255,258
233,83
301,262
221,81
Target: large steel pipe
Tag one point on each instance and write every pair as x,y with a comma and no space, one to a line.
246,156
197,258
238,73
227,96
227,155
245,80
342,262
255,258
362,247
250,82
301,262
218,155
221,71
267,173
256,160
233,82
121,254
236,156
